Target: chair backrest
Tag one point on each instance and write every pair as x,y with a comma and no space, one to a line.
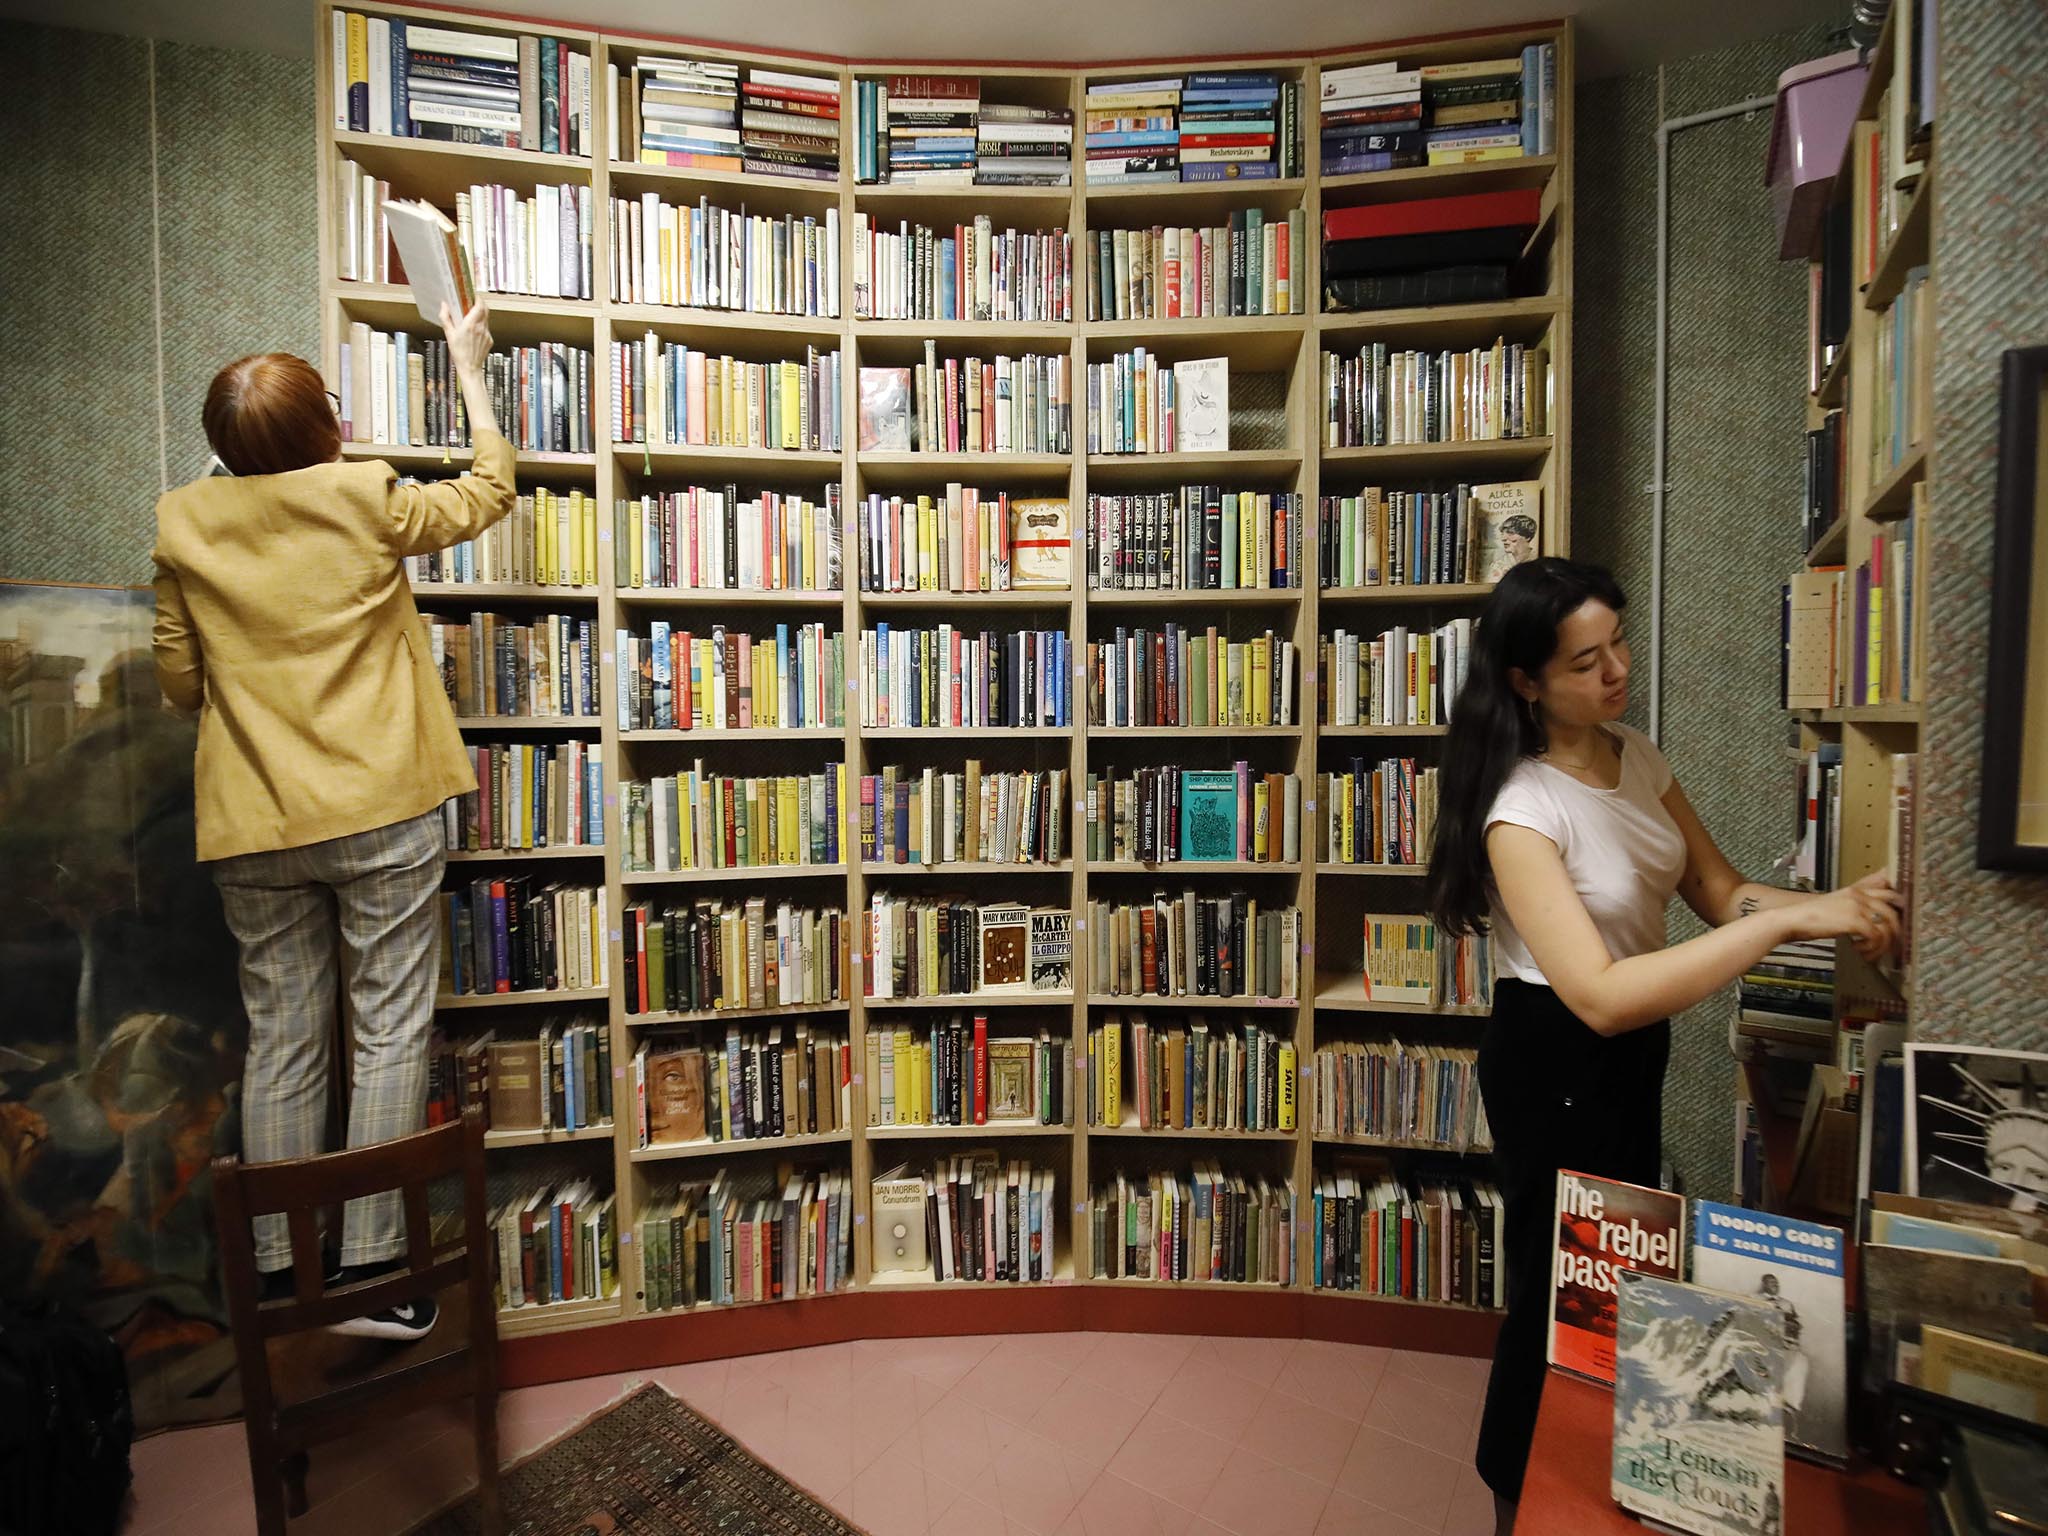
300,1189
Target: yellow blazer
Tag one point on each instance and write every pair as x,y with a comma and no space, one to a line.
283,615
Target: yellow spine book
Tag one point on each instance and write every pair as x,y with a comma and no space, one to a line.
1285,1110
787,822
358,51
792,395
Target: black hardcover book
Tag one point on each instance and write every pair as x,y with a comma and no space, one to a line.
1412,253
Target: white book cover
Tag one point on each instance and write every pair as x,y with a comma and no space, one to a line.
1203,406
434,264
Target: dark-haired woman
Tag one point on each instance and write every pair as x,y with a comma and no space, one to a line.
1563,833
326,747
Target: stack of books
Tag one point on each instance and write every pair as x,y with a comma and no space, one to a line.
1133,131
932,130
1229,126
1371,118
1789,995
1434,250
686,112
789,125
460,87
1024,146
1476,111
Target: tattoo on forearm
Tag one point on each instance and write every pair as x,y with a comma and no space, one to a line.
1748,905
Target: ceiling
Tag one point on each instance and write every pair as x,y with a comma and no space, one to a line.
1615,36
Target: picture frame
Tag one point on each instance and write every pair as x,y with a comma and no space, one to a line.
2012,815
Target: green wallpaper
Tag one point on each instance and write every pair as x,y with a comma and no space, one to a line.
88,436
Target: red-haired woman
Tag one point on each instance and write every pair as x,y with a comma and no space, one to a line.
326,747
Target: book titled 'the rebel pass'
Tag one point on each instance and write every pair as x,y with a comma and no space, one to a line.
1605,1227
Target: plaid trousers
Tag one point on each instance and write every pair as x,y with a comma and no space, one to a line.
373,894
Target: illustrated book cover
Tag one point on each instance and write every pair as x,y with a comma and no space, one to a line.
1605,1228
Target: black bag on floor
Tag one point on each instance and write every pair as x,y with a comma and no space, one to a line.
66,1424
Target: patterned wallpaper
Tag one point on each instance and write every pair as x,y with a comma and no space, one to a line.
195,162
1737,330
1980,976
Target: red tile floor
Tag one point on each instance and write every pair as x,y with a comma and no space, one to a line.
1063,1434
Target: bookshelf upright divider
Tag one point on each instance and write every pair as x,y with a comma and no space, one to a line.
1292,343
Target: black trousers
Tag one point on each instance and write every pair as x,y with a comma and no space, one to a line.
1557,1096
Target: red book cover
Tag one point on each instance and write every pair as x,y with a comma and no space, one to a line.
640,956
1430,215
1603,1228
568,1252
981,1069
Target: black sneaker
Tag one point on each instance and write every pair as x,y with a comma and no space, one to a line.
403,1323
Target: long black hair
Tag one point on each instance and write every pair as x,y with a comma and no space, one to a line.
1493,729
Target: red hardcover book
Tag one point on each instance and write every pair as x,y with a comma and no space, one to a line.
568,1290
1430,215
981,1069
791,94
640,957
1604,1227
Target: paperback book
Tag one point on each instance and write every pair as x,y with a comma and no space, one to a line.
1605,1228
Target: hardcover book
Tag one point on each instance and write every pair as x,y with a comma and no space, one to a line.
1203,404
1985,1373
1052,950
1009,1080
899,1220
1005,941
515,1085
1507,525
1041,542
1698,1440
884,409
1605,1228
1795,1267
675,1096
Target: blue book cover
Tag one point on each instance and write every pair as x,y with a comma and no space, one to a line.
948,278
550,99
1796,1268
401,98
1231,170
1208,814
1531,74
1135,138
1699,1442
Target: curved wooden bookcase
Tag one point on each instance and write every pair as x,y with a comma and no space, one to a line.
584,1337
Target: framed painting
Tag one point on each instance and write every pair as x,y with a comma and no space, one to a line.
2012,816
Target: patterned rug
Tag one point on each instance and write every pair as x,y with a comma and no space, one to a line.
646,1466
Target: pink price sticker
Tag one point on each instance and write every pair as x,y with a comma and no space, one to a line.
856,1079
607,658
859,1220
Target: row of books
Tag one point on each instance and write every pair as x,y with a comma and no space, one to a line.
537,244
700,113
556,1243
707,257
1190,945
1817,820
1409,962
1400,676
528,795
953,1072
1386,396
750,1234
558,1080
518,933
1379,813
974,1216
713,539
969,405
496,667
1789,995
928,816
936,131
1169,814
1901,396
1465,248
676,680
1204,1225
1231,125
947,946
1827,478
1185,1074
400,389
1139,404
670,394
549,540
1418,1238
1849,634
1175,676
951,679
971,271
698,820
400,78
1200,538
694,956
963,540
1381,117
780,1080
1248,265
1388,1090
1468,533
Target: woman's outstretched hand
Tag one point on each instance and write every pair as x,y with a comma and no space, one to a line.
469,336
1866,913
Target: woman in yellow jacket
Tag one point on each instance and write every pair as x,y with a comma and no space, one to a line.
326,748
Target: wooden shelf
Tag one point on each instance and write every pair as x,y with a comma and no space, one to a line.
1397,1144
976,867
1196,867
1112,471
678,321
1483,457
418,456
640,877
1130,1130
725,188
936,1132
1168,597
1268,1287
733,1015
678,597
1438,180
1149,1000
900,469
779,465
982,733
1444,325
1342,732
999,333
501,592
494,1139
1873,714
972,1002
436,171
922,1279
1189,201
1347,993
545,1317
1830,547
1907,249
723,734
681,1150
1834,384
1402,871
447,1002
1045,598
1267,338
1194,732
1892,497
514,316
899,199
1416,592
527,723
488,855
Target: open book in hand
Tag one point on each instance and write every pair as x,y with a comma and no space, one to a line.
434,260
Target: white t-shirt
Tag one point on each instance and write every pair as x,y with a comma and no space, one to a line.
1623,851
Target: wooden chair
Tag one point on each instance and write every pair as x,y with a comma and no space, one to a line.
281,1431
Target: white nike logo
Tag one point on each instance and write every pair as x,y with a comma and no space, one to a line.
403,1314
